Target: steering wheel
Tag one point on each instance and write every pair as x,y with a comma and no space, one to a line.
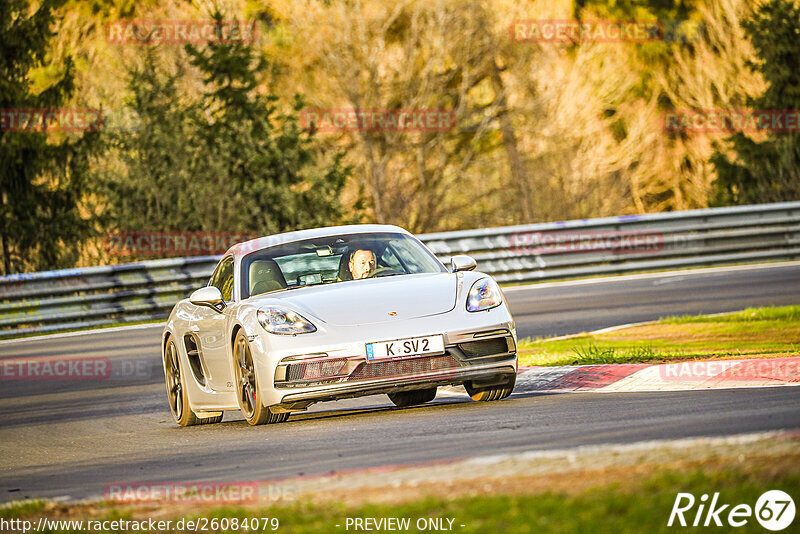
383,271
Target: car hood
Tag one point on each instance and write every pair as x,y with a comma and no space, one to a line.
376,300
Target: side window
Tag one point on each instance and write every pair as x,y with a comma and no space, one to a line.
222,278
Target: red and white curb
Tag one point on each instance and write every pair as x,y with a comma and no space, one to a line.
681,376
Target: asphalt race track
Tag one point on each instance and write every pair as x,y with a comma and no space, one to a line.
71,438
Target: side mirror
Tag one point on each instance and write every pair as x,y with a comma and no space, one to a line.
208,296
463,263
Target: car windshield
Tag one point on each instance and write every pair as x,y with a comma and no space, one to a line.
332,259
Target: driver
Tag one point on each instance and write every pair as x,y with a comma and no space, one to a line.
362,263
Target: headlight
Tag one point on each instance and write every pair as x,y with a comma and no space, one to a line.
277,320
484,295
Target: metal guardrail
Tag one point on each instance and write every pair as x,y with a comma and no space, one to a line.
92,296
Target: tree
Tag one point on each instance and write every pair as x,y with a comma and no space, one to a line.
394,57
41,173
225,158
272,178
767,170
144,178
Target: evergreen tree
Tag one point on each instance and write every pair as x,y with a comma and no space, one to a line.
268,163
769,170
40,180
228,161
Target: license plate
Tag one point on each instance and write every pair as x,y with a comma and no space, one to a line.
412,346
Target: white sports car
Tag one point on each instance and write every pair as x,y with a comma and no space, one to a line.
317,315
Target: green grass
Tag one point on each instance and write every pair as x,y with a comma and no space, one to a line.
606,509
783,314
642,504
592,354
21,508
754,332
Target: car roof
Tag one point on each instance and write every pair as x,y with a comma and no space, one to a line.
240,249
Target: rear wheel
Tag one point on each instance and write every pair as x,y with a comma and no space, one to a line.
411,398
490,393
177,395
248,392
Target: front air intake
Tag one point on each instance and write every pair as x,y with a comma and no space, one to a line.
315,370
486,347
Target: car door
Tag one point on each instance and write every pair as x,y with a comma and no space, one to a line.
210,326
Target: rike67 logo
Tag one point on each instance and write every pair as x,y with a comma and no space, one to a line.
774,510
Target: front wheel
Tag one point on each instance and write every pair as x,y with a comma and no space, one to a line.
412,398
248,392
491,393
177,395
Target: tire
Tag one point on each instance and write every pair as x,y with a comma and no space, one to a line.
493,393
412,398
177,396
248,392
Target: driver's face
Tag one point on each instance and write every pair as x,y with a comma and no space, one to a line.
362,264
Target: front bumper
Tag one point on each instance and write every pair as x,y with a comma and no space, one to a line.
489,358
463,362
